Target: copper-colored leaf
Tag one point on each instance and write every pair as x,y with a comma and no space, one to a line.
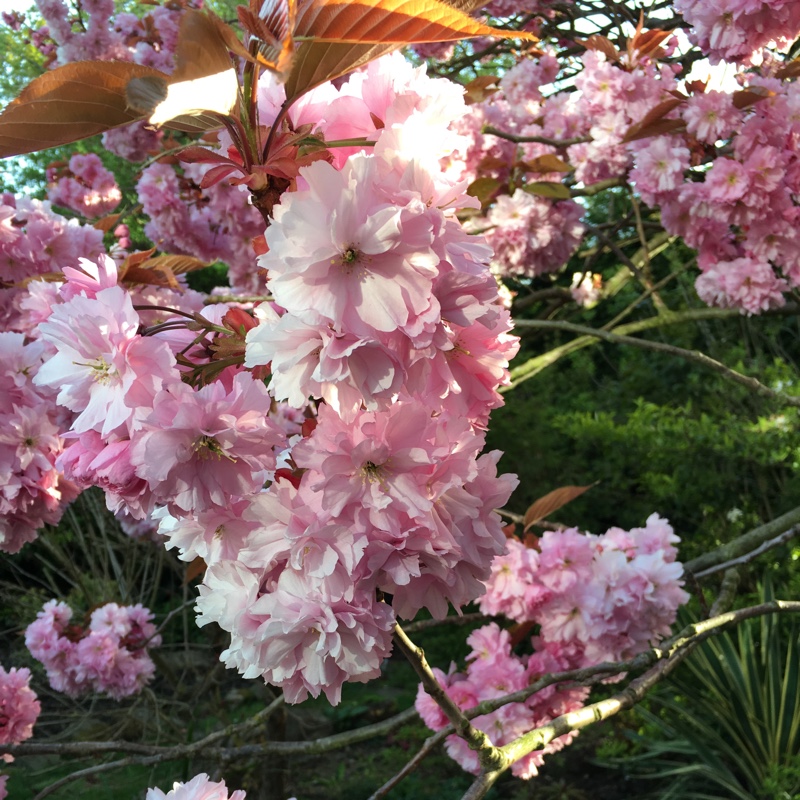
229,37
648,43
789,70
70,103
655,123
201,155
509,530
484,189
177,265
106,223
204,80
602,45
748,97
548,162
216,174
152,276
319,59
196,569
273,23
392,21
317,62
552,501
134,260
478,89
555,191
657,128
696,86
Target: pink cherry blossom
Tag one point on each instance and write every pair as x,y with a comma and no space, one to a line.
19,706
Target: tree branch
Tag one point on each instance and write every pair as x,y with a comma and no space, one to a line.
687,355
671,653
477,740
427,748
490,130
161,753
742,545
463,619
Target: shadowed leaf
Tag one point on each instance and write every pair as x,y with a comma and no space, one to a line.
748,97
654,121
547,163
484,189
70,103
790,70
555,191
552,501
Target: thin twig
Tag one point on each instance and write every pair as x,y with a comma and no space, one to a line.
463,619
490,130
427,748
745,543
168,754
687,355
768,545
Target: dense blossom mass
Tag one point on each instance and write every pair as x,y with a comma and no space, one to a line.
109,656
19,706
318,438
593,598
383,308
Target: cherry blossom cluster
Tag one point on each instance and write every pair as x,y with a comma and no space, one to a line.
35,240
84,186
494,671
385,309
593,598
83,33
214,223
19,706
738,30
32,491
533,234
601,598
729,187
198,788
109,656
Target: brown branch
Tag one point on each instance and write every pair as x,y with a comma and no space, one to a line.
166,754
463,619
482,784
595,188
313,747
727,593
786,536
427,748
490,130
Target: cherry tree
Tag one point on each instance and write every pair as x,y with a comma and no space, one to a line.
312,439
